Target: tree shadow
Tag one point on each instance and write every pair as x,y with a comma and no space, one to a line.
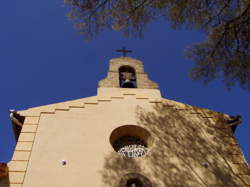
188,150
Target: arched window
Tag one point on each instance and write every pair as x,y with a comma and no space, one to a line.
127,77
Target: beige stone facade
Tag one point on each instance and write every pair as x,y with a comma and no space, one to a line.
71,143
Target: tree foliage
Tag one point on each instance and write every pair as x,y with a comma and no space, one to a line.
226,52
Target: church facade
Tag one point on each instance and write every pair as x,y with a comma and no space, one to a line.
125,136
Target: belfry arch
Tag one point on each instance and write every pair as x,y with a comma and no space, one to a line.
127,72
127,77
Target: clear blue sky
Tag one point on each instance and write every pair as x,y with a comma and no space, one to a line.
44,60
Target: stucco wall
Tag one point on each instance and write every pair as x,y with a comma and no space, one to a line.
81,137
191,146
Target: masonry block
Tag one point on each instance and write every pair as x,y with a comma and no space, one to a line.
29,128
15,185
17,166
24,136
31,120
21,155
16,177
24,146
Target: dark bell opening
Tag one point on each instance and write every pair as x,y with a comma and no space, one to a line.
127,77
134,182
128,85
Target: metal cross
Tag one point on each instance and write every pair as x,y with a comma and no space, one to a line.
124,51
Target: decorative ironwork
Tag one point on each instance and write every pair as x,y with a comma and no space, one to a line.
130,146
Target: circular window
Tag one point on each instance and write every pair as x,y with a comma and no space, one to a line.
130,140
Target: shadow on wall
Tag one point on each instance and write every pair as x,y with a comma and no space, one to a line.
188,151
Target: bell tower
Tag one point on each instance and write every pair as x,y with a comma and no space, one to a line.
126,72
125,136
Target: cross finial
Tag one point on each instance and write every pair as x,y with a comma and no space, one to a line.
124,51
